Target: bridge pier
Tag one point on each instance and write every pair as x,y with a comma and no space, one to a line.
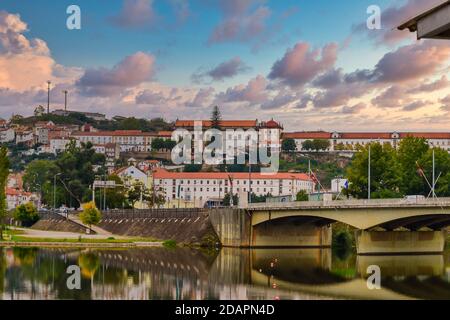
288,233
237,228
399,242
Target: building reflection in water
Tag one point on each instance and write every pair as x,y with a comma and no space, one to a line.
188,274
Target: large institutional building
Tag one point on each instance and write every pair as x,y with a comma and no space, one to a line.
351,140
199,187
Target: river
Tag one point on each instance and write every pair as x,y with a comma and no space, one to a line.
189,274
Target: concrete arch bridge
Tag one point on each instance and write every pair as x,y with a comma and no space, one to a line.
382,226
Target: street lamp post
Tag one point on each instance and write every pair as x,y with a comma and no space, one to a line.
54,191
49,83
368,193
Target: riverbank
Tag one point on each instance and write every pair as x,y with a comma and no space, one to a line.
18,237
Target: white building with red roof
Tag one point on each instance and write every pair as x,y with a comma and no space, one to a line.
128,140
350,140
199,187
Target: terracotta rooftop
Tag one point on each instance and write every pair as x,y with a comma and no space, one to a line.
307,135
223,123
125,133
164,174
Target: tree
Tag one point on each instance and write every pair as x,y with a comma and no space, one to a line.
385,172
307,145
90,215
37,173
137,192
27,214
442,168
302,196
4,173
227,200
320,144
410,152
216,118
116,197
39,111
289,145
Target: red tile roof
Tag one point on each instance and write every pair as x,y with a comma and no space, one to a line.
116,133
426,135
164,174
365,135
223,123
307,135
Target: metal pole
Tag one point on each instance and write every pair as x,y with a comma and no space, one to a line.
65,99
54,194
368,194
48,96
434,181
249,180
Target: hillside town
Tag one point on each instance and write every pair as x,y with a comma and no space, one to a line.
144,157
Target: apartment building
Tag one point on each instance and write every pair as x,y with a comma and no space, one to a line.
128,140
199,187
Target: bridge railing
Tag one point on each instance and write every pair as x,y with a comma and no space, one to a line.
354,203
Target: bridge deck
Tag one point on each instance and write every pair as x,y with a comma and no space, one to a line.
350,204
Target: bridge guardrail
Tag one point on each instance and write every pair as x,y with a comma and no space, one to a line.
353,203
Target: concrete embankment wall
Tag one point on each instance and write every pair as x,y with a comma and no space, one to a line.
186,226
55,222
190,226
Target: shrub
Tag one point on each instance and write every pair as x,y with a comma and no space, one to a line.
90,215
27,214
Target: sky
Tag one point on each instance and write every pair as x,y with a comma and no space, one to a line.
311,65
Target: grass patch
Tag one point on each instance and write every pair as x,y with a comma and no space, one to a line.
79,240
170,243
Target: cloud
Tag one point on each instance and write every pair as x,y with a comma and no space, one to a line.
301,64
281,100
202,99
432,86
241,21
393,97
392,17
415,105
227,69
130,72
136,14
412,61
329,79
354,109
254,92
24,63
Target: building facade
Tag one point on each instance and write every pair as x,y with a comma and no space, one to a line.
350,141
128,140
199,187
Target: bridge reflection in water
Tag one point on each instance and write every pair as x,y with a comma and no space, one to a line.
187,274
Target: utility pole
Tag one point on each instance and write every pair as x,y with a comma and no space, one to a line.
368,193
65,99
434,180
49,83
54,191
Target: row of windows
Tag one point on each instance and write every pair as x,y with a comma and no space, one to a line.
226,182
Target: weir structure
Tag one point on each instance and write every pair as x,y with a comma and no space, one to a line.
386,226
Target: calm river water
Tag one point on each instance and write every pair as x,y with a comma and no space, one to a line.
182,273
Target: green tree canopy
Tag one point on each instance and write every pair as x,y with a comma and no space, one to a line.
288,145
385,172
27,214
